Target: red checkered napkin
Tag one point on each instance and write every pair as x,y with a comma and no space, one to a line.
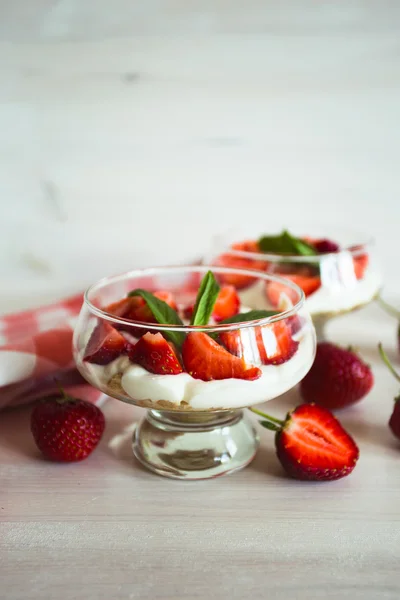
36,354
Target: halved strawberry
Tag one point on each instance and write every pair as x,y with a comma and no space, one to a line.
239,262
311,444
105,344
136,309
275,344
155,354
205,359
121,308
308,283
360,265
227,304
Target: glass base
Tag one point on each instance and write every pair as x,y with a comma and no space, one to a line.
195,446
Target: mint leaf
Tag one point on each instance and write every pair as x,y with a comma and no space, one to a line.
206,298
251,315
163,313
285,243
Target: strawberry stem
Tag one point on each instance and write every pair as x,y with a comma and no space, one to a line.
387,362
63,394
389,309
268,417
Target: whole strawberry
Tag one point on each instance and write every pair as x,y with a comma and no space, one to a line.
66,429
337,378
311,444
394,421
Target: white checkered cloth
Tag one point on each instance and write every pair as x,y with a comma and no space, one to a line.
36,355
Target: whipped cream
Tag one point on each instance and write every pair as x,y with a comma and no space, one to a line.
231,393
345,297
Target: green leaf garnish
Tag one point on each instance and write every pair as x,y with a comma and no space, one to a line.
205,301
285,243
251,315
163,313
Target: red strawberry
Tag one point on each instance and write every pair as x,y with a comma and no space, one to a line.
205,359
121,308
308,283
274,343
312,445
136,309
360,263
241,262
337,378
227,303
66,429
394,421
155,354
325,246
105,344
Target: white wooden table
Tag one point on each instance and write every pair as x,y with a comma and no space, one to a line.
108,529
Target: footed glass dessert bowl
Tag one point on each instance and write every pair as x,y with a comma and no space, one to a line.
195,352
336,271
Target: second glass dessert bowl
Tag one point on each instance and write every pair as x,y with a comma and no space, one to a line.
195,352
336,270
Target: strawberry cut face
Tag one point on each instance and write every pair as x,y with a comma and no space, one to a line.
313,445
105,345
227,304
274,344
276,291
205,359
156,355
134,308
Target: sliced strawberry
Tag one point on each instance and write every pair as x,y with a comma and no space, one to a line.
105,344
275,344
167,297
156,355
360,265
239,262
309,285
141,312
227,304
121,308
136,309
205,359
313,445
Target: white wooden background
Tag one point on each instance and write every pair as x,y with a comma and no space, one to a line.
130,133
